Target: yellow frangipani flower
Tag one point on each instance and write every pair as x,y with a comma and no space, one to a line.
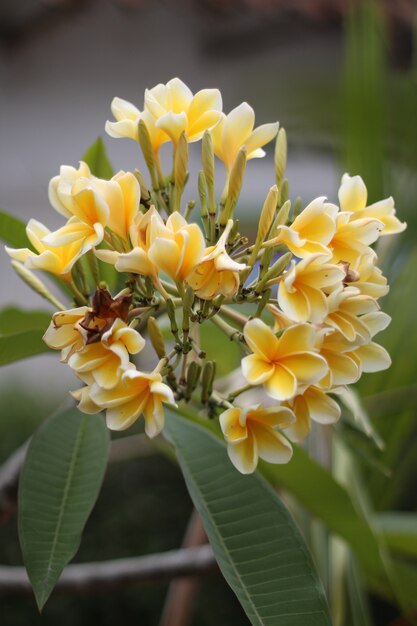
301,292
63,333
91,204
127,123
122,195
370,356
282,363
60,189
343,368
137,393
86,226
352,238
252,433
177,110
347,307
235,130
216,273
136,261
369,280
311,231
175,247
353,197
127,119
312,404
106,360
55,259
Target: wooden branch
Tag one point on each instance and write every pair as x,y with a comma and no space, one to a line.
123,449
86,577
9,478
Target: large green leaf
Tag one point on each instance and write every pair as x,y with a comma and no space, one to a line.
325,498
59,485
97,160
17,346
14,320
13,231
399,530
258,546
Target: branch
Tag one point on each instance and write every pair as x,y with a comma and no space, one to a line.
9,478
122,449
86,577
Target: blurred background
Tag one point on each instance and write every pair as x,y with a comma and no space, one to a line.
341,77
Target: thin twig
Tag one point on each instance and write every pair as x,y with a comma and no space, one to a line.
86,577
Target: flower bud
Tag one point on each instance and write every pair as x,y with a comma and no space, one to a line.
34,283
155,335
280,156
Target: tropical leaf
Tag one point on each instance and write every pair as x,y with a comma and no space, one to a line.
13,231
59,485
325,498
17,346
14,320
97,160
258,546
399,530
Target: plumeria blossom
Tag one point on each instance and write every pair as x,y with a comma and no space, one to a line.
370,356
235,131
343,367
352,238
175,247
122,195
313,404
107,359
55,259
137,393
64,331
127,124
137,260
216,273
353,197
177,110
301,292
347,307
92,204
127,118
311,231
369,279
182,271
253,432
282,363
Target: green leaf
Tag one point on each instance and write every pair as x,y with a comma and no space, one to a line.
258,547
399,531
59,484
17,346
97,160
14,320
13,231
325,498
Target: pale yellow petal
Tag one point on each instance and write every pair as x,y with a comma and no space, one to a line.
256,370
232,429
260,136
307,367
353,194
260,339
282,385
244,455
272,446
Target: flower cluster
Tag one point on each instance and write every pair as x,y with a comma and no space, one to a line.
310,278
